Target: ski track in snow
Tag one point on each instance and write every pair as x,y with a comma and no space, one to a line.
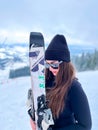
13,97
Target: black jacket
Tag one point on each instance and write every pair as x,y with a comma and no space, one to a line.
76,115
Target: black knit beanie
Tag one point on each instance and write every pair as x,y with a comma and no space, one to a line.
58,49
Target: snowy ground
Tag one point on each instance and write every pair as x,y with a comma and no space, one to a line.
13,110
89,82
13,96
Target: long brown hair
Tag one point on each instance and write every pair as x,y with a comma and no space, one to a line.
58,94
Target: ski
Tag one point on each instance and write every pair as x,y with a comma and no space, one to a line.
37,95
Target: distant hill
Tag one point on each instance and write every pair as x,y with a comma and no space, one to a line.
13,53
79,49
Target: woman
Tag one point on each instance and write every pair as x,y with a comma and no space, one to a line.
67,99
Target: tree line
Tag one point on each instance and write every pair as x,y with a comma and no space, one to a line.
25,71
86,61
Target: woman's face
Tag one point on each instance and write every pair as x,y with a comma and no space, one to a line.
53,66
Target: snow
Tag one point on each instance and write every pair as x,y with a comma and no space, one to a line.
89,82
2,55
21,49
13,97
18,65
13,110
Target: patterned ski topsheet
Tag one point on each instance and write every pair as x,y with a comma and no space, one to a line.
36,56
43,114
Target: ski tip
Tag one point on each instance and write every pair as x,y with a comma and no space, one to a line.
36,34
36,39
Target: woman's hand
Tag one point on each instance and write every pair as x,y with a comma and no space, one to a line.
33,125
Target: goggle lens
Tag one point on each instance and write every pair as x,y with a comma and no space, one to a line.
53,65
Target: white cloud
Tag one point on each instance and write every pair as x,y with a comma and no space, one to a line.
77,20
13,36
7,36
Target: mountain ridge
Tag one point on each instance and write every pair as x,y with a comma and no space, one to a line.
18,52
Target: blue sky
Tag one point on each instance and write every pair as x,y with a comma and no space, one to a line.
76,19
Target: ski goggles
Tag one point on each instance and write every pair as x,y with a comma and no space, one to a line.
53,65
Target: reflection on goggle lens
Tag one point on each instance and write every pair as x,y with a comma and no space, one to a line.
53,65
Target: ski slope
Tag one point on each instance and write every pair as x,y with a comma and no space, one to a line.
13,111
13,97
